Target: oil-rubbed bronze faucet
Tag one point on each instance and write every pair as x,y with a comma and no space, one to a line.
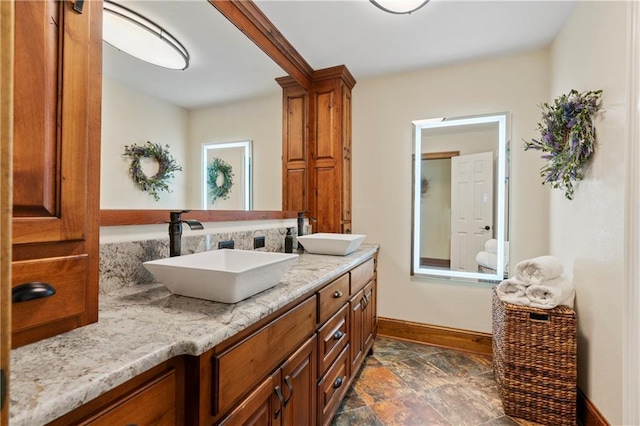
175,231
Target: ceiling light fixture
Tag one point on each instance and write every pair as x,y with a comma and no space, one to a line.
137,36
399,7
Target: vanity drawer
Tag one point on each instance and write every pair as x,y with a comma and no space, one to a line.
332,338
67,275
332,388
242,367
152,404
361,275
332,297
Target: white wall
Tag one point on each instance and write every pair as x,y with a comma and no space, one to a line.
258,120
128,117
383,109
588,233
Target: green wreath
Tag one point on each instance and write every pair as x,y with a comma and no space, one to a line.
167,165
567,137
214,169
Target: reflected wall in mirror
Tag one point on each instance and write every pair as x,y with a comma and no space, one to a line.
226,176
460,208
235,98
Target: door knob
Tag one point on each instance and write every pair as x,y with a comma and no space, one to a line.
486,228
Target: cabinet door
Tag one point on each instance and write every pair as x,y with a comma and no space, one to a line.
299,386
294,147
368,310
261,407
357,332
51,120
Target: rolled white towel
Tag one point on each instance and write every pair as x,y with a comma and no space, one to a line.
552,293
538,270
486,259
491,246
490,260
513,291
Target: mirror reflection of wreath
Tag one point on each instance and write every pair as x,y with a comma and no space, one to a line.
219,171
167,165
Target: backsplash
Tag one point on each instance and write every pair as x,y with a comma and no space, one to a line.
121,262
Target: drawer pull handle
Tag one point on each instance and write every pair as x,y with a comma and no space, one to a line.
287,381
338,335
337,294
337,383
278,392
31,291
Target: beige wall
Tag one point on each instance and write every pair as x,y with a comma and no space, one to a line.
588,233
129,117
383,109
258,120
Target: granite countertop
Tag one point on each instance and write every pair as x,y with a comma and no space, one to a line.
140,327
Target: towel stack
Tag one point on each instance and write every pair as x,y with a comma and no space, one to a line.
539,283
489,257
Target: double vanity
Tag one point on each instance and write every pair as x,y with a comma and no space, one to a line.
284,356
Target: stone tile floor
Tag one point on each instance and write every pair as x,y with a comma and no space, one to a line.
414,384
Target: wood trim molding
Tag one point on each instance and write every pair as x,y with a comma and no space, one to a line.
155,217
254,24
6,198
588,414
471,341
439,155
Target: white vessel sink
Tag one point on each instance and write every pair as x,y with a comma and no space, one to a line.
327,243
227,276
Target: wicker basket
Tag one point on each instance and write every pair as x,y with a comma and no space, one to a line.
534,359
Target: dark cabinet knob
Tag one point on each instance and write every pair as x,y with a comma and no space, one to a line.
337,294
337,383
31,291
338,335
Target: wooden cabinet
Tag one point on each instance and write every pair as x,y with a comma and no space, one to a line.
57,92
295,113
317,148
155,397
362,314
286,397
291,368
330,150
247,363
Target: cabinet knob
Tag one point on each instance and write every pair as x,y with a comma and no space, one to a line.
337,383
338,335
337,294
31,291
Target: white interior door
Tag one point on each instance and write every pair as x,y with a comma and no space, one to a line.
471,208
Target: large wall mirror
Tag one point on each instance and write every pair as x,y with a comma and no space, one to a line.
460,197
218,98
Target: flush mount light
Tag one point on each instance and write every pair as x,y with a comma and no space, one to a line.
399,7
137,36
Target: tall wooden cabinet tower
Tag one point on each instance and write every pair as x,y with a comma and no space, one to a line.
56,166
317,148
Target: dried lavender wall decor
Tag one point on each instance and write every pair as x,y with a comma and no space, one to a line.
567,138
